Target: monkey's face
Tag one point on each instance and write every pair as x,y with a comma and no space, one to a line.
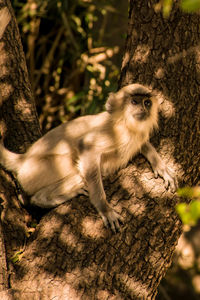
140,106
136,105
140,112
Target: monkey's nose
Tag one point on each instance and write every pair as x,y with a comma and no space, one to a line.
141,116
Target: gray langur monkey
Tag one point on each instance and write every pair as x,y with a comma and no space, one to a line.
76,154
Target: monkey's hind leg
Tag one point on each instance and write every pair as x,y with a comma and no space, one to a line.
57,193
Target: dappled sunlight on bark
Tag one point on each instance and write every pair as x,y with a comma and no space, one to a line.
71,254
93,228
4,20
141,54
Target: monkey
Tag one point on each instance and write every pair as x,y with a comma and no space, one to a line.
77,154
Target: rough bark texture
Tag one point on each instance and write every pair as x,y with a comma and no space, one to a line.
165,54
17,114
71,255
18,127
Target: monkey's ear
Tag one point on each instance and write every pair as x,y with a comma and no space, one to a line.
111,103
158,96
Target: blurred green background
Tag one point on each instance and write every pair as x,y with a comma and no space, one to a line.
74,51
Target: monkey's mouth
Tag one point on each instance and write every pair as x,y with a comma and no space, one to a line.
141,116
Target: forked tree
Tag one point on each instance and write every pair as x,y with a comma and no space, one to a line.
71,255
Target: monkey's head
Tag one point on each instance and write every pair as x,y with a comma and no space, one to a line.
136,105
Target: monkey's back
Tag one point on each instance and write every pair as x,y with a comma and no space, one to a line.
63,139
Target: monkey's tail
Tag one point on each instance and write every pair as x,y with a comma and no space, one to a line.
9,160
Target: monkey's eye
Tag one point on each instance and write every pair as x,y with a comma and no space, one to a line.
147,103
134,101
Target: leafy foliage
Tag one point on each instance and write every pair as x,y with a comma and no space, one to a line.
167,6
189,6
189,213
69,55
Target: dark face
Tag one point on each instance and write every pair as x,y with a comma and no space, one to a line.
141,106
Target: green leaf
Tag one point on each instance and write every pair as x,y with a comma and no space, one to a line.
75,98
190,5
189,213
185,192
184,213
189,192
17,256
167,6
195,210
181,208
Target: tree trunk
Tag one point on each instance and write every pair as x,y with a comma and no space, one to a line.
19,127
71,255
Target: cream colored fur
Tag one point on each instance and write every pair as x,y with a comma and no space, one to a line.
75,154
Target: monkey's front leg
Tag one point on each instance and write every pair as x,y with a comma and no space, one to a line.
92,175
159,166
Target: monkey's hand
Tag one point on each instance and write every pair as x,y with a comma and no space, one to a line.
111,219
159,167
169,177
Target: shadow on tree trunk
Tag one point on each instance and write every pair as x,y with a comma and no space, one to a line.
71,255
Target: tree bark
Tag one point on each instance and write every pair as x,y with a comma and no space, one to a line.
71,255
19,127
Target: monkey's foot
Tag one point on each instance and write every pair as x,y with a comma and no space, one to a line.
112,219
